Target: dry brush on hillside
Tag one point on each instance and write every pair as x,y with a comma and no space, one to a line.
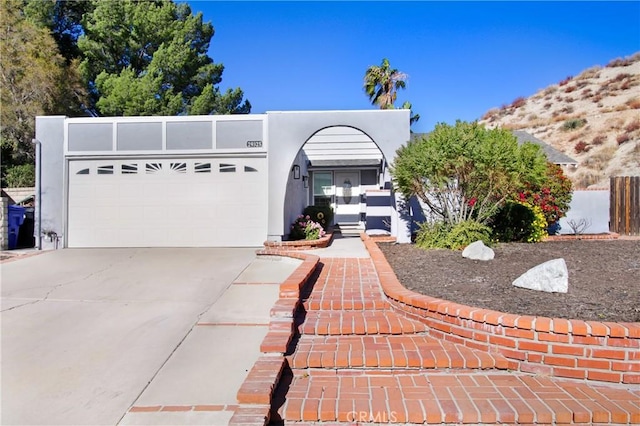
593,117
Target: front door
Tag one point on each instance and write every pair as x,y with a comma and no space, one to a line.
347,195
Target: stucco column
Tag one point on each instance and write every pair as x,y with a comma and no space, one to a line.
50,206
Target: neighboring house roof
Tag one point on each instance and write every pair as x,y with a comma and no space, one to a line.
19,196
553,155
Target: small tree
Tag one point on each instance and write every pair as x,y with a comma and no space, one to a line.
34,80
466,172
579,225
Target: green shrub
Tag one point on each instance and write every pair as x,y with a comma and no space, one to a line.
21,176
573,124
320,214
432,235
521,222
465,233
513,222
457,237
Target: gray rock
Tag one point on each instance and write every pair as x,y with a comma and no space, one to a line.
551,276
478,251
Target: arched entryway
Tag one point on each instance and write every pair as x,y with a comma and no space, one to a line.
339,167
289,131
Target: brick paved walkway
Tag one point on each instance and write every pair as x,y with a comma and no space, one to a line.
358,361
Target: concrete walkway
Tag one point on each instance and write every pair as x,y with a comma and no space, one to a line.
358,361
199,383
342,247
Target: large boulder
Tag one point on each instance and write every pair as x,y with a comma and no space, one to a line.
478,251
551,276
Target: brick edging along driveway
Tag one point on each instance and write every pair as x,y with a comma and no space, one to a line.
256,392
322,242
591,350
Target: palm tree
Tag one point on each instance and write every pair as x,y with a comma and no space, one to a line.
382,82
413,117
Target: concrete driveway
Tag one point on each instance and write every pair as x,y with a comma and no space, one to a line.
84,332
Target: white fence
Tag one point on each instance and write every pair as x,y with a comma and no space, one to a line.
590,205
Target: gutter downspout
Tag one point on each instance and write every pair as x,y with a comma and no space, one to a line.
36,142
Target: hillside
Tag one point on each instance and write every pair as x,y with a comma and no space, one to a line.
593,117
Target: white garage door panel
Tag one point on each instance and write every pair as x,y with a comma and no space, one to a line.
167,203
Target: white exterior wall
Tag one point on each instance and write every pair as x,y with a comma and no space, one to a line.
296,194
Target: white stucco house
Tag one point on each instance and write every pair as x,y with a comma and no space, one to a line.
208,181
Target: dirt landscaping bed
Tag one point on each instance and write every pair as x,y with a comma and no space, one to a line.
604,278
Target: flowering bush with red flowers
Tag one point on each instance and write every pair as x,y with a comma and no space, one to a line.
552,195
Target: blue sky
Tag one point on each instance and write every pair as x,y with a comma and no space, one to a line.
462,58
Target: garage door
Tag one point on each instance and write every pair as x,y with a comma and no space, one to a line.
167,203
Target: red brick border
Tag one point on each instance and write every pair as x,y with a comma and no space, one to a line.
256,391
300,244
383,238
182,408
589,350
571,237
12,257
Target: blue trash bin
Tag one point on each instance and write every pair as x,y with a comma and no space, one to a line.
16,218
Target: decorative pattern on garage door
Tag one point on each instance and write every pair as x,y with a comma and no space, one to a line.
167,202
